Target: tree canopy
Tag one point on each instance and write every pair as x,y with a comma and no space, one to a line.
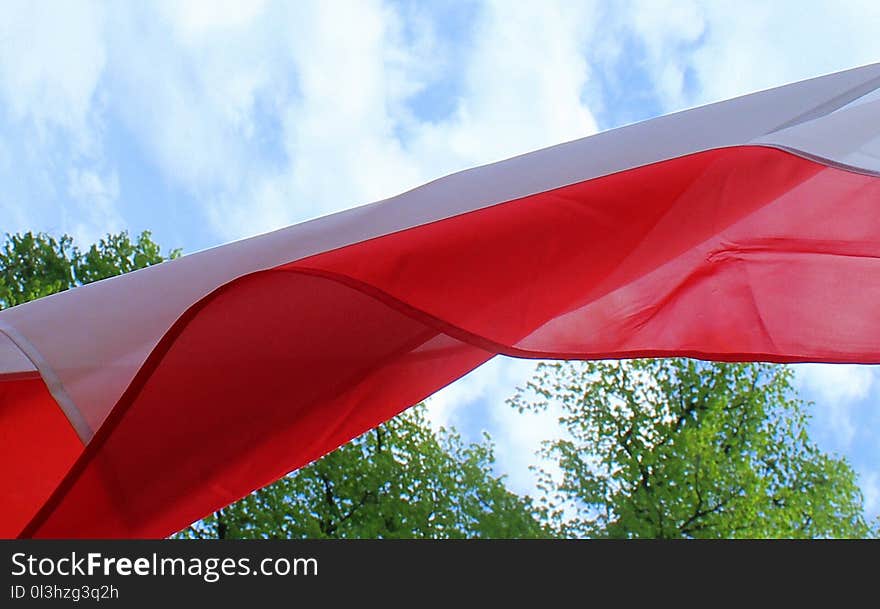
33,265
682,448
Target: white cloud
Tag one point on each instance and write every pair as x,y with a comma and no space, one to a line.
524,81
186,90
194,18
341,132
870,485
340,126
271,113
837,382
733,47
51,58
94,213
669,31
837,388
445,407
490,384
517,437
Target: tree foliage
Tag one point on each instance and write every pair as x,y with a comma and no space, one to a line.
33,265
680,448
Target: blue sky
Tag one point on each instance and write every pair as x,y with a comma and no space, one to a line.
206,122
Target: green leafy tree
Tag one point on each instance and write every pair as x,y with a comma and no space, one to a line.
400,480
33,265
679,448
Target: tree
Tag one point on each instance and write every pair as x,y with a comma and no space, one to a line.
681,448
400,480
33,265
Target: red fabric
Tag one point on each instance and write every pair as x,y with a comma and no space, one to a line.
37,447
734,254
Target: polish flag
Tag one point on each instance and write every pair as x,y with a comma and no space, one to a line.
743,230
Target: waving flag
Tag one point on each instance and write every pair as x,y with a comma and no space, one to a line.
743,230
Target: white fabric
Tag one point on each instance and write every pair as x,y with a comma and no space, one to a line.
12,360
